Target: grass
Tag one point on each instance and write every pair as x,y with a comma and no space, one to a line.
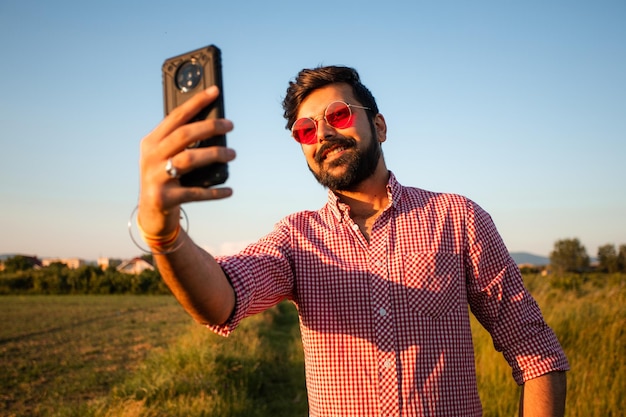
587,314
142,356
258,371
590,320
64,351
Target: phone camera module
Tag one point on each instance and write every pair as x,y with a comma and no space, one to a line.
188,76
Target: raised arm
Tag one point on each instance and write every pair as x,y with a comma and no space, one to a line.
192,274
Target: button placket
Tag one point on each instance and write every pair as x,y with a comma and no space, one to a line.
385,332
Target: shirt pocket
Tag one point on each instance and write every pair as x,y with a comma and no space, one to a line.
433,282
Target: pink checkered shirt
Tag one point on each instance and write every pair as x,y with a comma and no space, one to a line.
385,324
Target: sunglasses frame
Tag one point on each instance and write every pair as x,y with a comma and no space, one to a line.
315,120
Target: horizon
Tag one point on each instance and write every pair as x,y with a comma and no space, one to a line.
4,256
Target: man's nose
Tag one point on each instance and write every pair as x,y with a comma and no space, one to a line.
324,130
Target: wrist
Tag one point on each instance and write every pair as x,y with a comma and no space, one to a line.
160,231
155,222
162,242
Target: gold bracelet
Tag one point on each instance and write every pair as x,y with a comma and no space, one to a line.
161,242
164,244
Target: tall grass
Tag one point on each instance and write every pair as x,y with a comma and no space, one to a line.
590,319
588,314
259,370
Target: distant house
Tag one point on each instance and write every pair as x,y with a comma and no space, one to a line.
71,263
135,266
105,263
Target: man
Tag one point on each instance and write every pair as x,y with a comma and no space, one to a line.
381,275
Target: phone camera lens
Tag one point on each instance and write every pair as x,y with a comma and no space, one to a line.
188,76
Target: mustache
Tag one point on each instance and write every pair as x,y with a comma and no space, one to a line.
344,142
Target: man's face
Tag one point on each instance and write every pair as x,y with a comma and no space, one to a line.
342,158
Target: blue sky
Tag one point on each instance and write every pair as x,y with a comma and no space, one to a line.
520,106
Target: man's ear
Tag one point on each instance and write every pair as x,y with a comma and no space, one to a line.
381,128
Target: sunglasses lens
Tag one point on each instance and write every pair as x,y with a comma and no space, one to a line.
304,130
338,115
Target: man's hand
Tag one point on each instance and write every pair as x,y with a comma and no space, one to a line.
161,195
193,275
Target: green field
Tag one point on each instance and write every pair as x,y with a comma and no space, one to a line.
143,356
65,351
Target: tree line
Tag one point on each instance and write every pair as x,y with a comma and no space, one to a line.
21,276
569,255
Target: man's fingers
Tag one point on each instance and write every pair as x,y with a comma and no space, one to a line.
199,157
188,134
186,111
189,194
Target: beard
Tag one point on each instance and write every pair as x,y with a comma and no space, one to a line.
360,165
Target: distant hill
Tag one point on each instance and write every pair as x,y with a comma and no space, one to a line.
529,258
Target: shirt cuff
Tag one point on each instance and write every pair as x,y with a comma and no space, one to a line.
242,302
542,354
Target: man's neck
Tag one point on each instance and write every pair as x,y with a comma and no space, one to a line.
369,198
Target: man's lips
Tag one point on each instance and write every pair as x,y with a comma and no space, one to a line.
332,151
335,147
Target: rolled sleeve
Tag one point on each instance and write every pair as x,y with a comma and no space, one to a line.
536,356
243,289
261,276
502,304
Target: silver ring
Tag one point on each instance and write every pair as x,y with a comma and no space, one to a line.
171,169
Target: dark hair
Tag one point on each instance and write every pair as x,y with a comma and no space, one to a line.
309,80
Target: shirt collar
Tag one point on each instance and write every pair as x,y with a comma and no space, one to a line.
341,210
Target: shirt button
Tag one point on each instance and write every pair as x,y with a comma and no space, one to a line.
382,312
355,227
378,263
387,363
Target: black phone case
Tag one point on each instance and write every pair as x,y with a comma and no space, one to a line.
210,61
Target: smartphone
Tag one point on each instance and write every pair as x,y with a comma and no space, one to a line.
183,76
